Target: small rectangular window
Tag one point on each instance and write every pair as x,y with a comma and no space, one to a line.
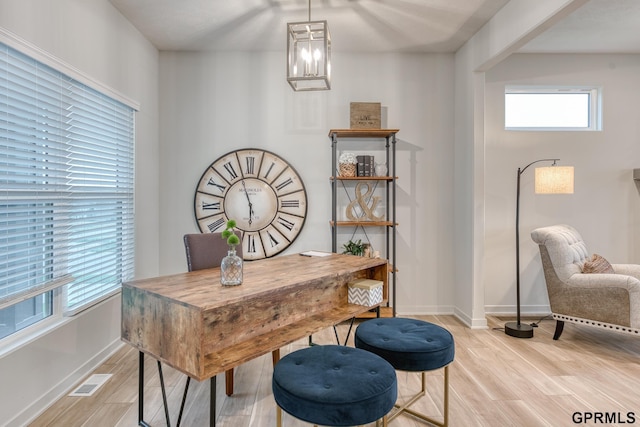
25,313
552,108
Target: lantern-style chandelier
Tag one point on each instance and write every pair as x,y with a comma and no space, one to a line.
309,55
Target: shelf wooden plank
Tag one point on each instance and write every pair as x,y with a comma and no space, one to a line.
362,133
384,312
363,178
362,223
235,355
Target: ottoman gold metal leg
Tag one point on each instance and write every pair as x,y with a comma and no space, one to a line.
383,421
421,393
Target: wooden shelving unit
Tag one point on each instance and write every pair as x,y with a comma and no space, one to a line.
388,136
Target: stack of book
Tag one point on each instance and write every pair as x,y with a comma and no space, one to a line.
366,166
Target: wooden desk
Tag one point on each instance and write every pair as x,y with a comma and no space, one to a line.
192,323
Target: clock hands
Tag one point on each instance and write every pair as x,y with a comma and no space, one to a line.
248,200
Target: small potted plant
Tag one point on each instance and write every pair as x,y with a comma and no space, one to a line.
355,248
231,265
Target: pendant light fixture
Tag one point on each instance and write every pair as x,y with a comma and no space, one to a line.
309,55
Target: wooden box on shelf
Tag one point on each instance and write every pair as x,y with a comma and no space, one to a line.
365,115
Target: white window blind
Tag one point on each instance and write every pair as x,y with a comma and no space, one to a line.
66,185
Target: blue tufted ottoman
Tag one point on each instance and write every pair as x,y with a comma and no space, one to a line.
334,386
410,345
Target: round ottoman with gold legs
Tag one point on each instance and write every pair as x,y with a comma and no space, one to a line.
410,345
333,385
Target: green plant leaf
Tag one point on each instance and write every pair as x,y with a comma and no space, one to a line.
233,240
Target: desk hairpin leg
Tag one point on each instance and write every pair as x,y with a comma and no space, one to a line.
348,332
164,394
164,397
143,423
351,326
184,399
335,331
212,402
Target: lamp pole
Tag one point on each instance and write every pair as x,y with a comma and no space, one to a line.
517,329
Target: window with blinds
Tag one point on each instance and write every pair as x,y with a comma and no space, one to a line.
66,190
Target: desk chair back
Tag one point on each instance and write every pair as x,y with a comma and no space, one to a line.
206,250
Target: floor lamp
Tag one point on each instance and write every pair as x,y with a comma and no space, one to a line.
548,180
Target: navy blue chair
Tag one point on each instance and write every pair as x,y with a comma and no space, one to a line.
334,385
410,345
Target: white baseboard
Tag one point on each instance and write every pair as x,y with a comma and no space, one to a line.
33,411
511,310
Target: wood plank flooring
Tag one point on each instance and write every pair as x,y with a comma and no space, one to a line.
496,380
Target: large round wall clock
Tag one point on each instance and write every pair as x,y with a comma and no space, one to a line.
261,191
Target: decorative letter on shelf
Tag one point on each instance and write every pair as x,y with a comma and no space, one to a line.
361,199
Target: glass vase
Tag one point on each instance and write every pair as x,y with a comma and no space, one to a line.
381,169
231,269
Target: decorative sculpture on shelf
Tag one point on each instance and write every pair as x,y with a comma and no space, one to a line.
359,208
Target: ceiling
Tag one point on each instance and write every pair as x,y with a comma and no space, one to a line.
355,25
600,26
370,25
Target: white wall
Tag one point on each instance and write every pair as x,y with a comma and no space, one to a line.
94,39
214,103
199,106
605,207
514,25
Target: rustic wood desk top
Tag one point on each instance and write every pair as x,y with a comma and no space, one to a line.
201,328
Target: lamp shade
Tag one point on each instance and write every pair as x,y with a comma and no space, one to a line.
309,55
554,180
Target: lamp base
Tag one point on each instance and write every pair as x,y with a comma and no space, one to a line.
514,329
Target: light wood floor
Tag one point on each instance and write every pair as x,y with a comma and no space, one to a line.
496,380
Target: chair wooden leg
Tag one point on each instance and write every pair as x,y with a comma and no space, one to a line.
228,381
228,377
559,329
278,416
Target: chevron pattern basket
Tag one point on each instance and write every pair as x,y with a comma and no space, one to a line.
365,292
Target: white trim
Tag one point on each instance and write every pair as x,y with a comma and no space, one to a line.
31,333
511,310
424,310
16,42
36,408
80,309
34,292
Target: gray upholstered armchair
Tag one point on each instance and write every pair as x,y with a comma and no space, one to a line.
610,300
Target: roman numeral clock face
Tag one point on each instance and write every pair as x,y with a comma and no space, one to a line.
258,189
